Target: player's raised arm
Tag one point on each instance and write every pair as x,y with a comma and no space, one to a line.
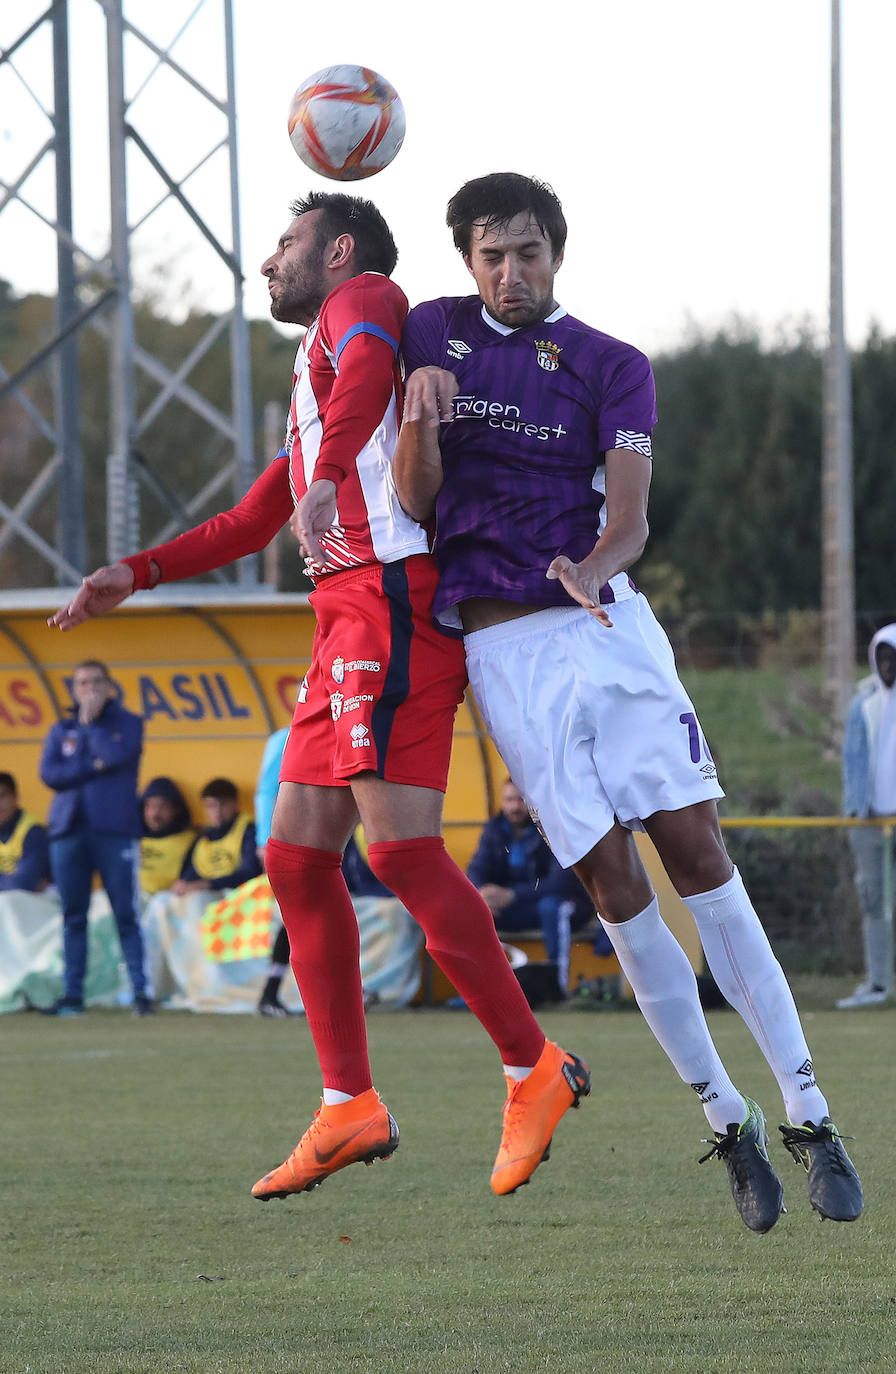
417,466
622,539
247,528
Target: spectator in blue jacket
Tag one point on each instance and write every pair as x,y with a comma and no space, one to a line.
523,884
869,790
266,788
358,877
24,851
90,760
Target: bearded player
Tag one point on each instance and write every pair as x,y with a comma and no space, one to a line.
371,735
528,434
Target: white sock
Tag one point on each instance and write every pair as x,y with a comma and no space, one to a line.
332,1097
665,989
749,976
517,1071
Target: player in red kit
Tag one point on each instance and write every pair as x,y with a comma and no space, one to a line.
371,735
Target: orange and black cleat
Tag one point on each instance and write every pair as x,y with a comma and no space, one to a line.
355,1132
533,1107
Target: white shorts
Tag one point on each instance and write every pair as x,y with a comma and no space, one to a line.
592,723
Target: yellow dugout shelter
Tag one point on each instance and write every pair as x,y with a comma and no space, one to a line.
212,677
213,673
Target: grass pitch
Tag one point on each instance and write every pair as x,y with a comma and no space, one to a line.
129,1243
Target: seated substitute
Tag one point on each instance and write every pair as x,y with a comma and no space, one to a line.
24,849
168,833
224,853
522,883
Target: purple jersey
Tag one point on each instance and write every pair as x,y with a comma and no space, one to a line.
524,457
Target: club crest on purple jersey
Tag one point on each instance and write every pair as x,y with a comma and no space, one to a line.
547,354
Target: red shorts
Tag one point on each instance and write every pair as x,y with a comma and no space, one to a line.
384,684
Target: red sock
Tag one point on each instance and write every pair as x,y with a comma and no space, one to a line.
325,955
460,936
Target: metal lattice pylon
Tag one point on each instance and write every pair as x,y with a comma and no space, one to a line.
95,292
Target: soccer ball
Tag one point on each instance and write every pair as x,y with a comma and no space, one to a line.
346,122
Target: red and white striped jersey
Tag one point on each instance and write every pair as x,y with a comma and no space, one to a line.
343,422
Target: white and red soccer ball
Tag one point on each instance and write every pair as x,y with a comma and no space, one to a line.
346,122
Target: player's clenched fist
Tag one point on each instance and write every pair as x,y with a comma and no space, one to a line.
429,396
311,519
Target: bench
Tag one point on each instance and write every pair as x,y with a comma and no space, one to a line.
584,964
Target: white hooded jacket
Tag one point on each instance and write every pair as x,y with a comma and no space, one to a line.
869,745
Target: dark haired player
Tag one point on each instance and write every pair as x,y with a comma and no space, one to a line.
373,723
528,434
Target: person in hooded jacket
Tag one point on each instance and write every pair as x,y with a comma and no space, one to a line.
869,790
168,833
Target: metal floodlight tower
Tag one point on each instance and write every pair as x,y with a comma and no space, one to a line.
108,308
127,426
64,471
838,558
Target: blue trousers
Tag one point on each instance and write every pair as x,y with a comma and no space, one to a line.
74,858
547,912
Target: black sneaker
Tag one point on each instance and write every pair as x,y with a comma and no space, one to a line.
835,1190
64,1006
143,1006
272,1006
755,1186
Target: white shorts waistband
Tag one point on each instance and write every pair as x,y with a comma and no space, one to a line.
551,618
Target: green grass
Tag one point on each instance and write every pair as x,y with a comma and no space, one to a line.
129,1243
771,737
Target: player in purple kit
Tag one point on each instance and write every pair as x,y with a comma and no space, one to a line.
526,434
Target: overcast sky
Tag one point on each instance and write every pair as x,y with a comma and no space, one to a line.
687,139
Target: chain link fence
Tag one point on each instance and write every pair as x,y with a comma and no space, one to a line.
799,873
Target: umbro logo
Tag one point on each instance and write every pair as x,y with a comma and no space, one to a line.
458,349
806,1070
704,1096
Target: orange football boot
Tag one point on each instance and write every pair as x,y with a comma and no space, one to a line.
347,1133
534,1106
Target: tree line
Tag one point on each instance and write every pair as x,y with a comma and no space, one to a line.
735,510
